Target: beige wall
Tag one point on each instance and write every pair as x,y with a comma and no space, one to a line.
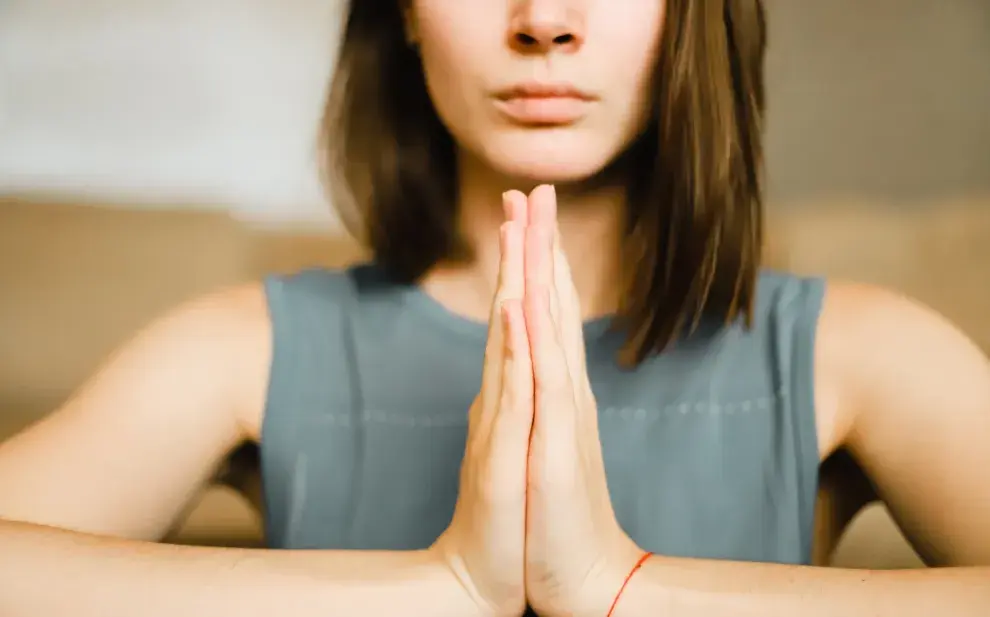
879,100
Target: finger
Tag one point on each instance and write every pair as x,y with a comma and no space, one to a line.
543,206
512,267
569,307
553,392
492,370
511,285
538,267
516,207
543,214
514,420
543,221
564,306
539,260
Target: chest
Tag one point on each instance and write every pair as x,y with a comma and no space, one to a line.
698,463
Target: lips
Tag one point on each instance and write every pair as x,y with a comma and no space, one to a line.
543,104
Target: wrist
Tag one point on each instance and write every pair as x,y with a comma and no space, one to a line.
463,599
457,584
417,582
611,582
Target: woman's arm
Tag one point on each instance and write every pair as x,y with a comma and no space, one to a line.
689,588
910,396
46,571
120,461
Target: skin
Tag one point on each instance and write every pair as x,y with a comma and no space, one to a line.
85,492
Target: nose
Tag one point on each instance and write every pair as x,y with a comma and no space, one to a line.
545,26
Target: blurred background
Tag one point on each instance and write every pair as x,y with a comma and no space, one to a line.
152,150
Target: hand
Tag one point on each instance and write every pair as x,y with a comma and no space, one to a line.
484,546
576,554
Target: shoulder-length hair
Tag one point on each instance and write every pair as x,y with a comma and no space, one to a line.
695,215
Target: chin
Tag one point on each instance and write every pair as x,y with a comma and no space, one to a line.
553,156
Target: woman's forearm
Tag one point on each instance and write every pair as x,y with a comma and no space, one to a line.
689,588
46,571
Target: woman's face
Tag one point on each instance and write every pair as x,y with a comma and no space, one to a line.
547,90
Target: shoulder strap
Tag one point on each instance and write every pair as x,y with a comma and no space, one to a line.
310,372
791,307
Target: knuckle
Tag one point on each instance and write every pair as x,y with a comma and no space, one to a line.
476,419
492,360
472,452
474,411
479,434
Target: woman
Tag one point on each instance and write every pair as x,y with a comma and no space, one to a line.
709,405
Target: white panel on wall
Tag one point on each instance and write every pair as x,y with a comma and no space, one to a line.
200,102
217,101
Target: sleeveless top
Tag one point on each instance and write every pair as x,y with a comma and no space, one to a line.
710,448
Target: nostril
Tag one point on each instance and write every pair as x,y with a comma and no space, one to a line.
525,39
528,40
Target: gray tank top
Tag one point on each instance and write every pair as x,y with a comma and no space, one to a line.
710,448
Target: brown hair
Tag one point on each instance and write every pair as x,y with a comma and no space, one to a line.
695,220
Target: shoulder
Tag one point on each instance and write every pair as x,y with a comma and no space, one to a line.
910,399
224,334
879,351
196,363
861,350
216,324
870,313
231,335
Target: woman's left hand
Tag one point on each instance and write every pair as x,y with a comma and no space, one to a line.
577,556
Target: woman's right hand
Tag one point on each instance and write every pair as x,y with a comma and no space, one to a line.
484,545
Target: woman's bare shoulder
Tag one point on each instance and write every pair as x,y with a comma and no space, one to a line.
912,405
125,452
235,322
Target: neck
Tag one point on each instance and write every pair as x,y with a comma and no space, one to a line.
590,221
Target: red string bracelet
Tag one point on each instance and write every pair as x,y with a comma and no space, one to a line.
635,568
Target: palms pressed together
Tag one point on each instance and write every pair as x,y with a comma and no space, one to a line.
533,476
